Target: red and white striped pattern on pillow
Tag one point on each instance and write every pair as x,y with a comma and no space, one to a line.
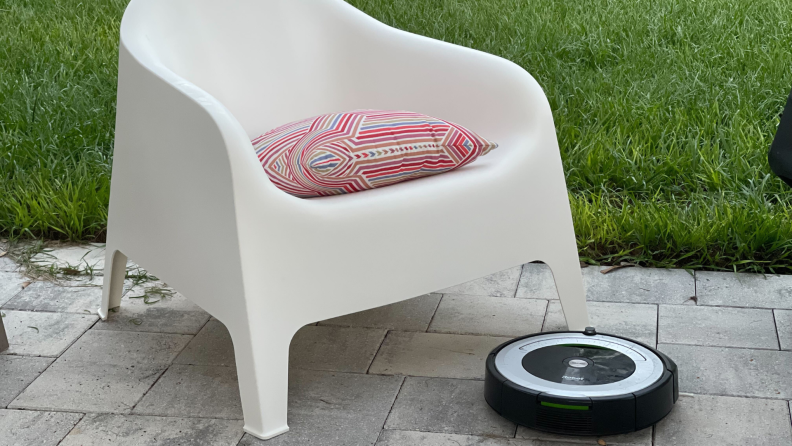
339,153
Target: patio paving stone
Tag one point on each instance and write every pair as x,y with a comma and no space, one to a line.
133,430
52,334
640,438
732,371
125,348
331,409
211,346
452,406
194,391
636,321
743,290
408,315
27,427
783,320
500,284
536,282
412,438
631,284
639,285
173,314
494,316
10,285
76,296
6,264
434,355
717,326
335,349
719,420
88,387
16,373
155,383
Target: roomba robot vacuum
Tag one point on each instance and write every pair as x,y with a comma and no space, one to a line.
580,383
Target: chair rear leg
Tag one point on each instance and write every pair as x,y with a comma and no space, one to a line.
113,285
569,283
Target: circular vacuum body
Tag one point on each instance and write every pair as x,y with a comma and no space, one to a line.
580,383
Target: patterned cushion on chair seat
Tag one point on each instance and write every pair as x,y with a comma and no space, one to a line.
339,153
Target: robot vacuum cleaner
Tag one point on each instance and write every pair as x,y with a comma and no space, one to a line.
580,383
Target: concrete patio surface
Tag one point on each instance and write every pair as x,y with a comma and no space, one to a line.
405,374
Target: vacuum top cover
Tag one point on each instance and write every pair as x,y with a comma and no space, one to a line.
579,365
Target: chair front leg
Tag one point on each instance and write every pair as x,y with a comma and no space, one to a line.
261,349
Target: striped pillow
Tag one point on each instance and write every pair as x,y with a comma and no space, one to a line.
339,153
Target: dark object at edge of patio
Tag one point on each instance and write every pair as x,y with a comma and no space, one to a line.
780,156
3,337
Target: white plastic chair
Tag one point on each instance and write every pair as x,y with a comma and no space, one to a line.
191,203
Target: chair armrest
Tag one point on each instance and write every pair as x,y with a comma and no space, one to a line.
383,67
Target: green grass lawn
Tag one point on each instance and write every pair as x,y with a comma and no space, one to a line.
664,109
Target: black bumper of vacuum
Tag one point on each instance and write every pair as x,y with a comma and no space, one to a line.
604,416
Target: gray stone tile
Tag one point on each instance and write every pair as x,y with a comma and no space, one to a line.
194,391
10,285
717,326
536,282
639,285
18,372
783,319
171,314
732,371
636,321
43,334
132,430
408,315
434,354
27,427
336,349
76,296
6,264
500,284
640,438
494,316
126,348
211,346
636,285
330,409
452,406
88,387
719,420
743,290
412,438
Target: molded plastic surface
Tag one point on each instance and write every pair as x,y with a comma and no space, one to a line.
191,203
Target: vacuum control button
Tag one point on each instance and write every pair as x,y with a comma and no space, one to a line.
577,363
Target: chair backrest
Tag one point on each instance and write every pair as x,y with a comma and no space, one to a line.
267,61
